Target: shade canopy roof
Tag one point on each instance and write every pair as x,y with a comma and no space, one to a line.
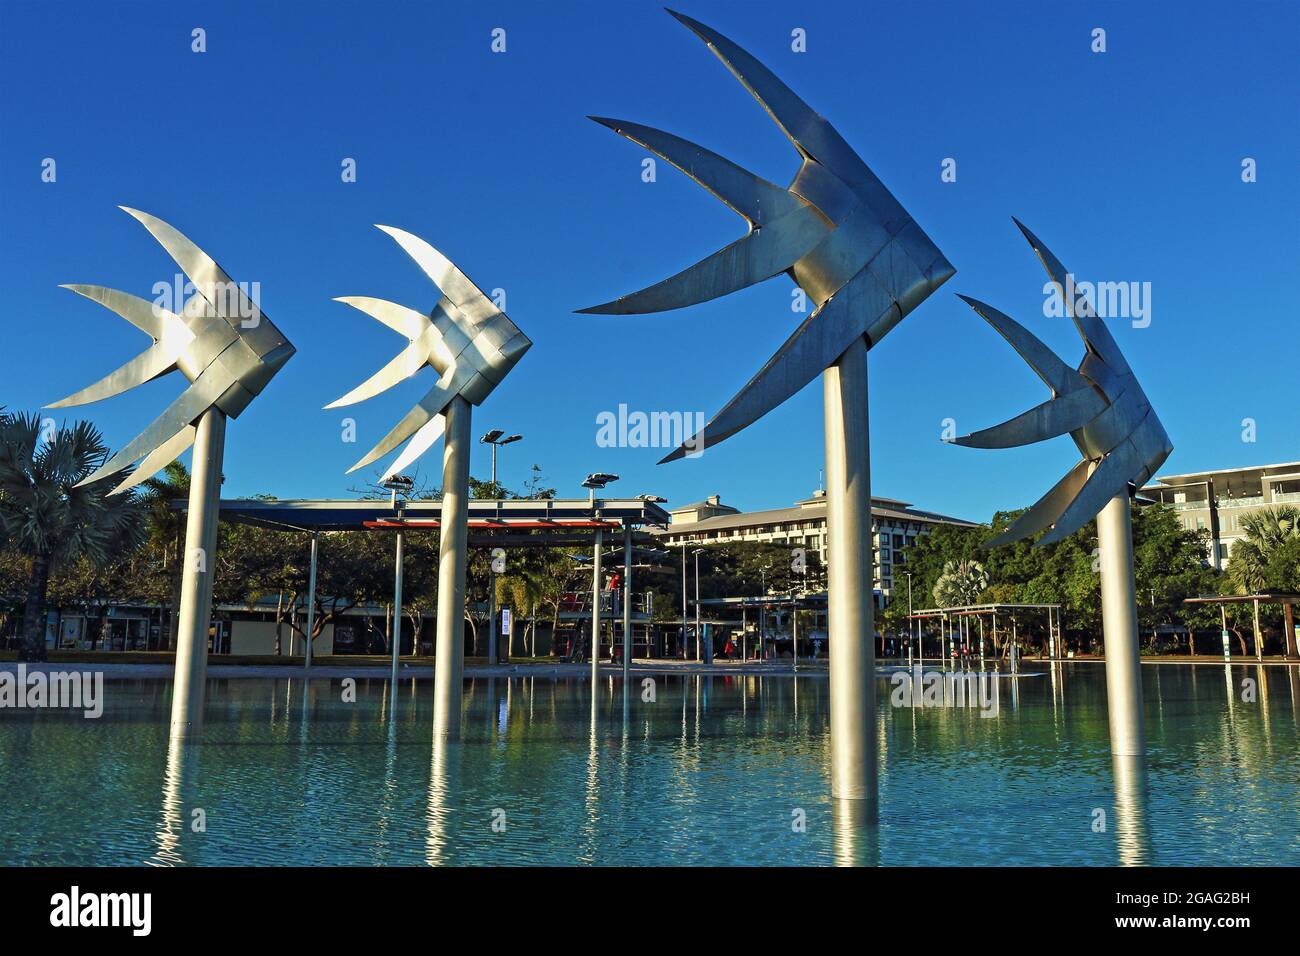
326,514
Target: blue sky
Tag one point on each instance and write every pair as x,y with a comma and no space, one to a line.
1127,163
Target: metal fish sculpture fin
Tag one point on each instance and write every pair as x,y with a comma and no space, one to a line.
453,283
420,442
1108,479
432,404
158,459
1047,510
783,228
799,360
1096,337
187,407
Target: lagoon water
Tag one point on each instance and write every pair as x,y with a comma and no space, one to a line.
717,770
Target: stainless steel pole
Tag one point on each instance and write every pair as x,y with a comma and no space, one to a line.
196,583
849,577
1120,628
449,664
492,580
682,647
627,600
311,599
397,606
699,638
595,611
794,630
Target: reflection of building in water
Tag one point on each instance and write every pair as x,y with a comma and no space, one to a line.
895,524
1217,501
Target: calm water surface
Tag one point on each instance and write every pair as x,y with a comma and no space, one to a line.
717,770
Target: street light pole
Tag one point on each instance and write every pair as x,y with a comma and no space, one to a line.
395,484
494,439
591,483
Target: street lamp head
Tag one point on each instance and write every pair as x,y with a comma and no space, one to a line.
598,480
652,498
509,438
491,437
399,483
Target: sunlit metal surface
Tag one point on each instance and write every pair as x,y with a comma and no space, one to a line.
836,231
855,252
221,342
469,341
1101,405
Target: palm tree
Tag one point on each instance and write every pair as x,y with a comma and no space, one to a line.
44,515
961,583
1266,532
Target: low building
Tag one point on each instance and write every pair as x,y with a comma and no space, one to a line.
1217,501
895,524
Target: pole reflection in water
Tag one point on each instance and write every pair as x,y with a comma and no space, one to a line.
591,822
180,787
444,767
1132,823
855,824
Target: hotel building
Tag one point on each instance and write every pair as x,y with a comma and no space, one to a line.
1217,501
895,526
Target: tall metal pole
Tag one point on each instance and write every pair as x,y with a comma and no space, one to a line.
492,579
397,606
311,599
1120,628
595,611
849,577
682,646
794,630
627,599
699,638
196,584
452,554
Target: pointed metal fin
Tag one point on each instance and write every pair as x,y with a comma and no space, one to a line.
420,442
399,318
1047,509
453,283
189,405
1058,376
1056,416
1096,336
816,344
432,404
150,318
808,131
207,276
145,367
1107,480
753,197
758,256
405,364
793,228
159,458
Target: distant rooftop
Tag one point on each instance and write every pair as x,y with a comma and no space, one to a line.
811,509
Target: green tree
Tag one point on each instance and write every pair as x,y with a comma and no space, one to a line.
1268,533
46,514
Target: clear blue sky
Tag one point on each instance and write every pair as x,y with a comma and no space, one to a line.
1127,163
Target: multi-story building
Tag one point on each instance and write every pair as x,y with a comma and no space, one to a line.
1217,501
895,526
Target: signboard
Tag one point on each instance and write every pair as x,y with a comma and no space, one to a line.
505,622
